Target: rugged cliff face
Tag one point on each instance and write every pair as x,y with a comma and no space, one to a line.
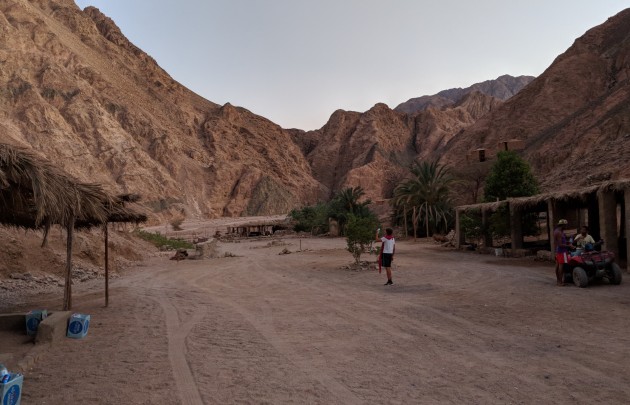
73,88
501,88
373,149
76,90
574,119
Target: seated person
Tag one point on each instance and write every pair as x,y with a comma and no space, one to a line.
583,239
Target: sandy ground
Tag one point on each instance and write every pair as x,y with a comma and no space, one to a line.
264,328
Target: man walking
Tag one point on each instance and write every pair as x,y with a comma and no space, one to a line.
386,256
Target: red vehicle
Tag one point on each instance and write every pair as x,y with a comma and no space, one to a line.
592,265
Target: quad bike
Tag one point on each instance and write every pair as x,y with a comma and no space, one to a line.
590,265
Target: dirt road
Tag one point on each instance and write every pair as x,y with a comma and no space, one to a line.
455,328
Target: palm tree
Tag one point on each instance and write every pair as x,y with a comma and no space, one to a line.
346,203
426,193
348,199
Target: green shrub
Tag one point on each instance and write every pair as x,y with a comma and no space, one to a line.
313,218
359,233
471,226
162,241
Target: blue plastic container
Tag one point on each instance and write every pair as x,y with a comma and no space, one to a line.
78,326
11,392
33,318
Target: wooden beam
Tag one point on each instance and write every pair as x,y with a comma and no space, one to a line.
516,227
608,220
485,222
459,235
626,208
67,296
106,265
551,223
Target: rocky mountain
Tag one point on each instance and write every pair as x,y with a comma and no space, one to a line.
73,88
574,119
373,149
501,88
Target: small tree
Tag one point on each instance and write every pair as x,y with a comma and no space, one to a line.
510,176
313,219
359,233
471,226
426,195
346,203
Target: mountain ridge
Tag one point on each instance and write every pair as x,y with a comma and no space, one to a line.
579,108
502,88
74,88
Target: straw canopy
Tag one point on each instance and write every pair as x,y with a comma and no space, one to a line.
581,194
35,194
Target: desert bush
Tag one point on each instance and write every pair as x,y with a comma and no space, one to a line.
359,234
510,176
162,241
313,218
471,226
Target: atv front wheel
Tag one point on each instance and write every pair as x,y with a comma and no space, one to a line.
580,279
614,274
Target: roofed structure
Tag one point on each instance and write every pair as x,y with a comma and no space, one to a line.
36,195
606,207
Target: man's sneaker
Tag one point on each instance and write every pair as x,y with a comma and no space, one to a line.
389,282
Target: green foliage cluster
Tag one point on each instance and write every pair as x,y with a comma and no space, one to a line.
162,241
356,221
359,234
314,218
500,223
426,196
471,226
346,205
510,176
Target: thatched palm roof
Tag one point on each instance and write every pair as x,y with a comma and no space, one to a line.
490,206
34,194
581,194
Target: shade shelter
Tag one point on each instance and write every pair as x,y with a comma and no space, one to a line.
257,228
604,207
36,195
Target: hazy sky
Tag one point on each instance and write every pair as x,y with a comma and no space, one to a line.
296,61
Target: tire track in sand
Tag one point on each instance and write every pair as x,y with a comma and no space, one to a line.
177,332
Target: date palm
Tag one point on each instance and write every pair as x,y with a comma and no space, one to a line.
346,203
426,193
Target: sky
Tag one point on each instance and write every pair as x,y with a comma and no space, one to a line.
297,61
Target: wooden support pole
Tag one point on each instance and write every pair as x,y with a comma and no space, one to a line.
459,235
516,228
46,231
608,220
551,224
626,223
67,296
485,225
106,265
593,218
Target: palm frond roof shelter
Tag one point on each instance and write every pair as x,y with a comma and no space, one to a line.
34,194
603,201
